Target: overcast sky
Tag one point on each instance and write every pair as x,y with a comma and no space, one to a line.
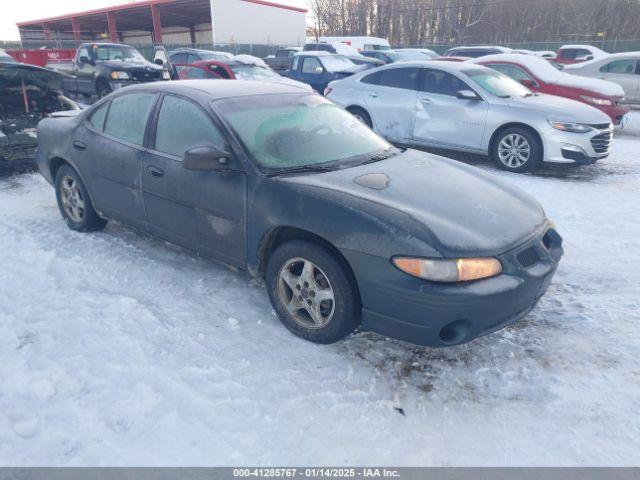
21,10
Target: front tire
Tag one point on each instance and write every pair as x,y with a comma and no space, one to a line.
517,150
312,292
103,89
74,202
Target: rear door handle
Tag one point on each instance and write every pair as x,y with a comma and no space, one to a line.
374,95
426,100
155,171
77,144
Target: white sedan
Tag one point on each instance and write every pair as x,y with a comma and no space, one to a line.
620,68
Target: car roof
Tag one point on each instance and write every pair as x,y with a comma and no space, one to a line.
216,89
436,63
316,53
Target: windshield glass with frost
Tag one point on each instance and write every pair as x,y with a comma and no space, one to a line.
118,52
497,83
298,130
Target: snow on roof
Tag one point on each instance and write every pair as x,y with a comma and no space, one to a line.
250,60
502,49
542,69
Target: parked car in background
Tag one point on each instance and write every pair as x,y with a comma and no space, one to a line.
359,43
540,76
343,228
400,55
192,55
548,54
620,68
472,108
240,67
282,59
100,68
317,69
569,54
475,52
27,95
6,58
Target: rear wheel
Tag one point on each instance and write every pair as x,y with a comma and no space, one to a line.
362,115
74,202
312,292
517,150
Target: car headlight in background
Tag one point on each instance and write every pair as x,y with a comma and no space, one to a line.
458,270
120,76
602,102
570,127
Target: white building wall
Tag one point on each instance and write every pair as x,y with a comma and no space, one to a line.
239,21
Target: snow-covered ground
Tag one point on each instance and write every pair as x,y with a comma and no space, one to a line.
117,349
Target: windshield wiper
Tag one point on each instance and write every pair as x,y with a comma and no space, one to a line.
302,169
376,157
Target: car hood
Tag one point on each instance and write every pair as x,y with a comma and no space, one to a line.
32,75
124,64
457,209
561,109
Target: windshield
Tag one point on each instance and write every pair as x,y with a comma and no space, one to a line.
497,83
117,52
252,72
299,130
336,63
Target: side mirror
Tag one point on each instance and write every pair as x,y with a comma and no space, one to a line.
207,157
527,82
319,70
467,95
158,61
84,59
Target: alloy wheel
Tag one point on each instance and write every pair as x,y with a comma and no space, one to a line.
72,200
514,150
306,293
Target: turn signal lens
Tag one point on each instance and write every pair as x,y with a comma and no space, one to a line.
597,101
460,270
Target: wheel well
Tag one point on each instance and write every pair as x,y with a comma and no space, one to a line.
101,81
280,235
55,164
351,108
524,126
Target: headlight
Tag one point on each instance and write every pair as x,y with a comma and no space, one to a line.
166,76
603,102
459,270
570,127
119,76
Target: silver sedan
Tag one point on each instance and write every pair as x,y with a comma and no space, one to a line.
471,108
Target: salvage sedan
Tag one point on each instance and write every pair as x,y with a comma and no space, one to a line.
471,108
344,228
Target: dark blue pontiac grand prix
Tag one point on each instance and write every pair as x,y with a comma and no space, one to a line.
344,228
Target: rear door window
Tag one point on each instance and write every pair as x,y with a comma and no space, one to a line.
183,125
128,115
310,64
98,116
179,58
405,78
511,71
442,83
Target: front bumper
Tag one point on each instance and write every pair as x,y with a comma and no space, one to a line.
437,315
577,148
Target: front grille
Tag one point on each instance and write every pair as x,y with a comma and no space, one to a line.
601,143
528,257
145,76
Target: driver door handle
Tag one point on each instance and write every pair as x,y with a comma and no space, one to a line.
374,95
155,171
78,145
426,100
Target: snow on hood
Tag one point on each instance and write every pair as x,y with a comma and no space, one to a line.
542,69
561,108
133,63
250,60
465,210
